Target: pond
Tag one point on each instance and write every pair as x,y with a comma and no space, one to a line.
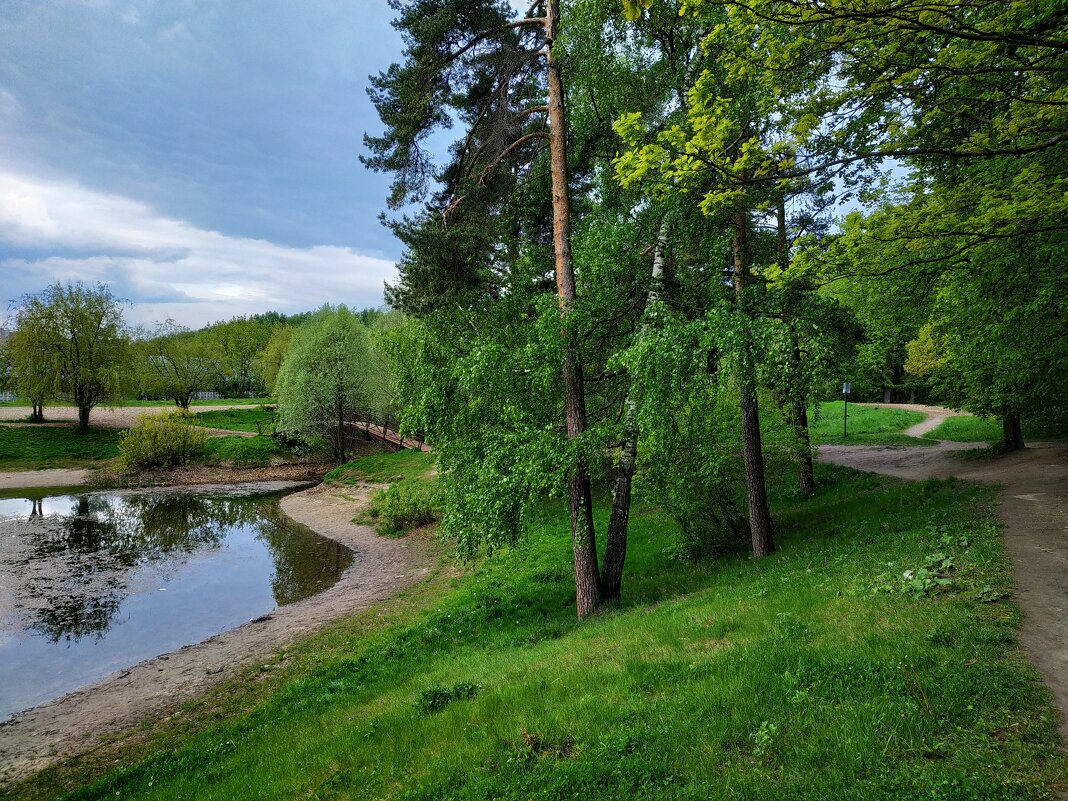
94,582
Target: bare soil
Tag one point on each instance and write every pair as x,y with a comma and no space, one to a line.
1033,507
104,417
75,723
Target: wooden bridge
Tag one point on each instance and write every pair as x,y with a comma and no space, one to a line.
384,428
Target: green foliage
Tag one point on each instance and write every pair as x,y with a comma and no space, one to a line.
162,440
326,379
434,699
404,506
78,332
793,677
40,447
176,364
413,497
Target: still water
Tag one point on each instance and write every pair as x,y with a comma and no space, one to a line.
92,583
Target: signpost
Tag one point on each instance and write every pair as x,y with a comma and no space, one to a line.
846,388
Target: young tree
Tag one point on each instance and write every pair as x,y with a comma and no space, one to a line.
79,331
177,363
325,379
33,374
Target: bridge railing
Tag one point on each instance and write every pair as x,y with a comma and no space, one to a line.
385,426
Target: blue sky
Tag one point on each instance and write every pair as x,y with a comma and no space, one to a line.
200,156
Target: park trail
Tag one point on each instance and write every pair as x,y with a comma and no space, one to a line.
1033,507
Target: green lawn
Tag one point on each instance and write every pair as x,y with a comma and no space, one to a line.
243,451
258,419
986,429
39,447
820,672
867,425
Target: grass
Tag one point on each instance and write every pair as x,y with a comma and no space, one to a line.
986,429
243,451
867,425
259,420
819,672
40,447
407,465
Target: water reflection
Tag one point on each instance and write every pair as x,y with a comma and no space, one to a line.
101,581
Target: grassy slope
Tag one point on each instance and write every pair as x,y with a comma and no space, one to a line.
39,447
808,674
239,419
867,425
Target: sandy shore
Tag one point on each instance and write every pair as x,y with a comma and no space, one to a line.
74,723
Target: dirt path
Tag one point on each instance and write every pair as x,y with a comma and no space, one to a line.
1033,506
59,477
72,724
103,417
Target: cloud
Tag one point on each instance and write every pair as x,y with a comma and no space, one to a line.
164,266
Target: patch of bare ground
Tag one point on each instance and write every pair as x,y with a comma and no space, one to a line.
103,417
1032,506
83,720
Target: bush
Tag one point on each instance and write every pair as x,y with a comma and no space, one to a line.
161,440
404,506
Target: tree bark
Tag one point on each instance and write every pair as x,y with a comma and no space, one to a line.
806,479
1012,436
615,549
760,528
83,417
583,536
37,414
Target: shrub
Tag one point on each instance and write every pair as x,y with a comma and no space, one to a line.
161,440
404,506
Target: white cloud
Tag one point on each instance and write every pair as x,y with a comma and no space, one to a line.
167,267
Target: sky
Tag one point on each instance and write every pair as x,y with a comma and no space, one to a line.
198,156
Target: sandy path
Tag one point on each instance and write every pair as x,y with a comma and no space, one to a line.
103,417
72,724
59,477
1033,506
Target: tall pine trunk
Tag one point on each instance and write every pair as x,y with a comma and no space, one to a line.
583,536
615,549
760,528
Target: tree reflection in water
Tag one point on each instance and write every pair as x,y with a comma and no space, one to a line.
75,569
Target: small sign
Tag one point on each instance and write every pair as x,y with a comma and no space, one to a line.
846,388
